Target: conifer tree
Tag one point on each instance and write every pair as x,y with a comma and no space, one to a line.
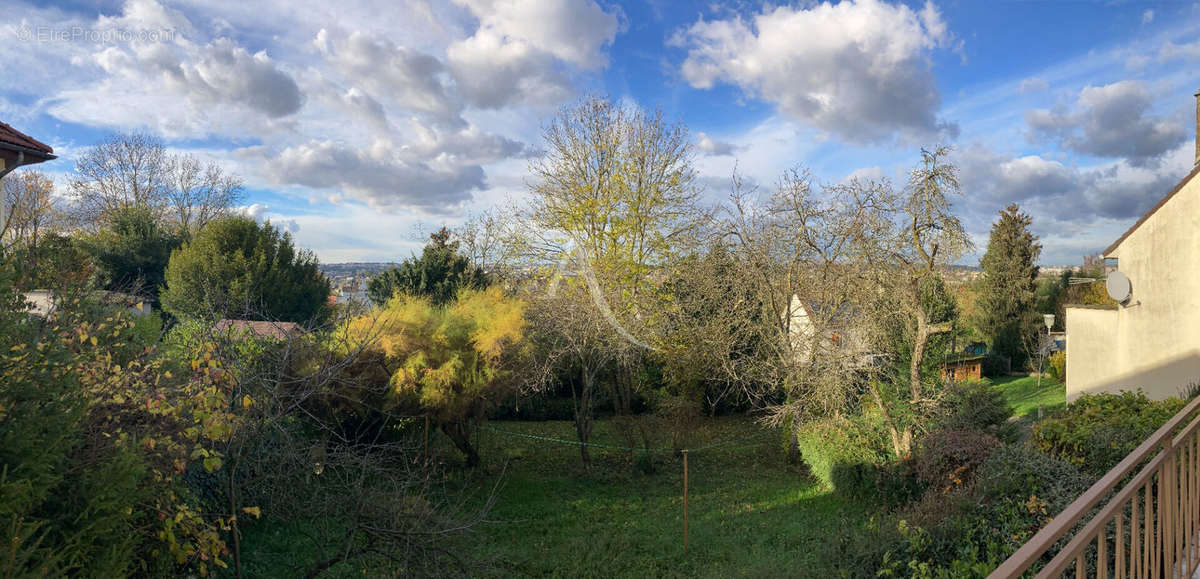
438,274
1009,286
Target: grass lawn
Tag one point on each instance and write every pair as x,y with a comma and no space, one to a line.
750,515
1024,395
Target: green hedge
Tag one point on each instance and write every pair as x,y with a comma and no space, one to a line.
1096,431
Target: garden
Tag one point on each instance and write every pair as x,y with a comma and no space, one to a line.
612,379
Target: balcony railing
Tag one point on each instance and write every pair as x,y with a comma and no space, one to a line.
1146,528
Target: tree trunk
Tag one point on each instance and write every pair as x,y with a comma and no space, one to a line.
794,456
623,389
901,439
458,433
583,429
918,357
582,401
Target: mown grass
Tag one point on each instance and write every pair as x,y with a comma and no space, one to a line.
750,514
1025,396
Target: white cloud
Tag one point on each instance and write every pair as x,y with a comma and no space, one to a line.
1116,190
514,55
149,68
380,175
858,69
1110,121
712,146
400,106
1033,84
1172,51
255,211
1147,17
410,79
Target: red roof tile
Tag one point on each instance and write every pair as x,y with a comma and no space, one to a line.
11,136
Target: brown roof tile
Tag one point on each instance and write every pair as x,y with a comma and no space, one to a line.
11,136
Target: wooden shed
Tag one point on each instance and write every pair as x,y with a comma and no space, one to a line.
963,368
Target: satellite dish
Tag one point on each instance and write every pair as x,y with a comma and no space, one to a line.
1118,286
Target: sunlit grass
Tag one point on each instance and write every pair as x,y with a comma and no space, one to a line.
1025,396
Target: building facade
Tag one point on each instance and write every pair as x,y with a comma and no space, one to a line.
1152,341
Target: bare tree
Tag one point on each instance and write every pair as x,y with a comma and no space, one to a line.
799,251
838,271
198,193
918,239
575,345
29,211
123,171
135,171
493,241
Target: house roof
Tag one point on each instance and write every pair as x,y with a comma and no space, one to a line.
11,138
1152,211
964,358
275,330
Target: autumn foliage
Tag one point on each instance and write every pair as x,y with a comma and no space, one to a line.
96,437
449,362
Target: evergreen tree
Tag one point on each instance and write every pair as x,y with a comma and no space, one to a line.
1007,293
132,252
236,268
438,274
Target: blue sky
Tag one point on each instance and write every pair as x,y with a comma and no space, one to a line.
358,124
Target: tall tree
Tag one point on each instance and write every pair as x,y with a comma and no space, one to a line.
800,255
29,211
135,171
197,192
439,274
916,238
574,344
237,268
1009,285
617,188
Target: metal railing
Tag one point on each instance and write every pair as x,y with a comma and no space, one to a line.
1146,528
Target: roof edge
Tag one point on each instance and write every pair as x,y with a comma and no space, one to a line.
1151,212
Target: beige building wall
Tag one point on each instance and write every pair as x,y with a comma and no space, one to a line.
1152,342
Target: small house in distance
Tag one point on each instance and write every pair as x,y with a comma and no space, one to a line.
241,329
963,367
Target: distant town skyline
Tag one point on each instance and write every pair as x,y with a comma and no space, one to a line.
357,126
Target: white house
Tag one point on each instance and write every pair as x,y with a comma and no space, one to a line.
1152,340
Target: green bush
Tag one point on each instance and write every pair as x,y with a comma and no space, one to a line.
1058,366
825,444
1020,472
888,484
971,530
69,501
977,406
1096,431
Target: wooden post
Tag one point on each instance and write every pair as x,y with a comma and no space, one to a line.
685,502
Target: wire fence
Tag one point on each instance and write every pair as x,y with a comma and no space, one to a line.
576,443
